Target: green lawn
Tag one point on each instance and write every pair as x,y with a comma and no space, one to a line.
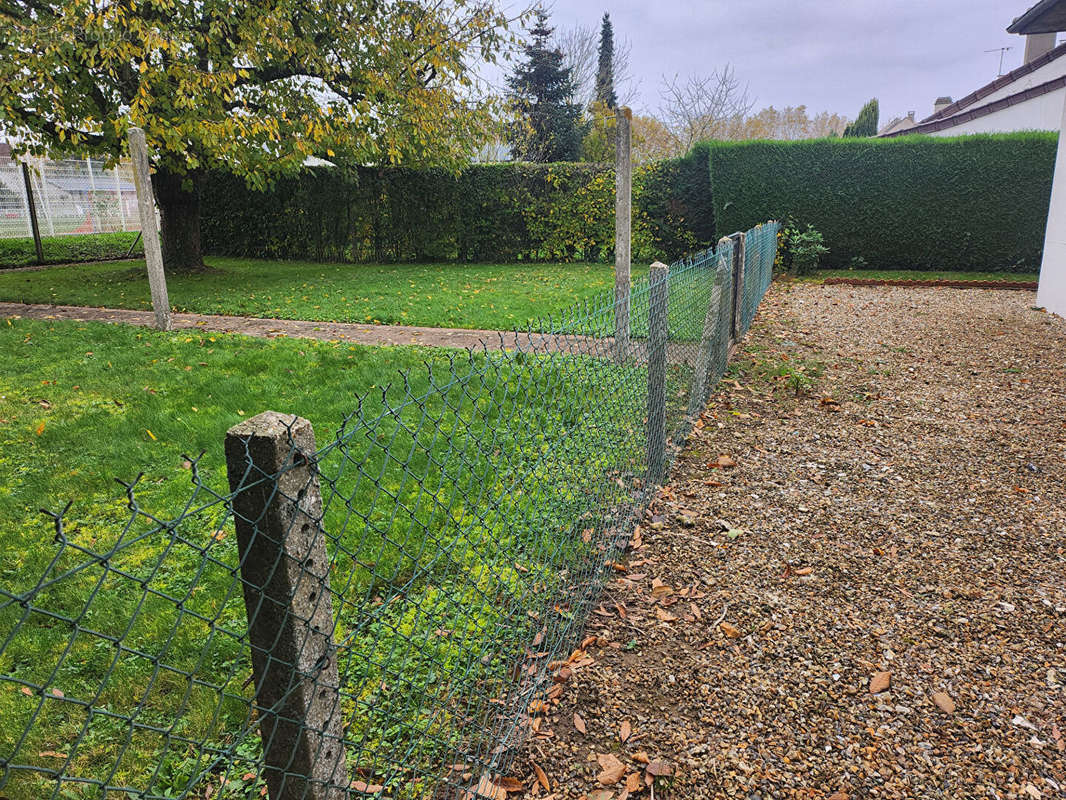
488,296
921,275
418,512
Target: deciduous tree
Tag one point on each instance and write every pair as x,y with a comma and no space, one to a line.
250,86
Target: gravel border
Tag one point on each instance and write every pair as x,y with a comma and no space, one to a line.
872,602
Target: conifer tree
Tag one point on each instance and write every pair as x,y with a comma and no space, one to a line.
866,123
550,127
605,71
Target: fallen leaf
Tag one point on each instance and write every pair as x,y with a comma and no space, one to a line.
365,788
612,769
40,429
633,782
726,462
579,724
641,757
944,702
511,784
660,769
730,630
880,681
542,777
487,788
625,732
601,794
804,571
664,616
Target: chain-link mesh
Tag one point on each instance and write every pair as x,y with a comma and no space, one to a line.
73,196
382,614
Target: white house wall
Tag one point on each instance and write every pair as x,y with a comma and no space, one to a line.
1043,113
1052,291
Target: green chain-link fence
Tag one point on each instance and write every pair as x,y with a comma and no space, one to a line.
379,614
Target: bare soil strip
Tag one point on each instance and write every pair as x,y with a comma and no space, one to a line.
853,587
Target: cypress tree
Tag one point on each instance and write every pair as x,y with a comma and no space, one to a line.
605,70
866,123
542,88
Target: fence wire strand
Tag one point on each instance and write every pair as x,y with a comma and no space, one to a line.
381,615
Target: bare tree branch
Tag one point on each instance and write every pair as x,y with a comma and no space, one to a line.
703,107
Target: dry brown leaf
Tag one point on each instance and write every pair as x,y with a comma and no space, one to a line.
612,769
944,702
641,757
664,616
601,794
511,784
880,681
579,723
542,777
625,731
488,788
730,630
660,769
366,788
804,571
633,782
726,461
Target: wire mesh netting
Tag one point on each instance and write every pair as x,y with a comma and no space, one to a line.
72,196
380,614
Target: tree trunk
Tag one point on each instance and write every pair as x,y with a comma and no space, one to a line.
178,198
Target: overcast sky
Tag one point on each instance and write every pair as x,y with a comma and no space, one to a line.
830,55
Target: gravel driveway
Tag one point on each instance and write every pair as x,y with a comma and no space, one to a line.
872,602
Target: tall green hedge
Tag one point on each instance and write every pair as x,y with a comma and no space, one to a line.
487,213
965,203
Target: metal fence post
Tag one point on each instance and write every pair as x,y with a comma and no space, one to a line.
34,228
277,509
658,334
738,286
153,256
623,191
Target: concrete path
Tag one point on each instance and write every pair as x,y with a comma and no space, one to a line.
678,352
271,328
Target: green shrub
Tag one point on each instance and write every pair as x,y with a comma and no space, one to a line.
916,202
804,249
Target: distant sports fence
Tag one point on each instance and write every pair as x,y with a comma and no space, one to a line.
73,196
384,614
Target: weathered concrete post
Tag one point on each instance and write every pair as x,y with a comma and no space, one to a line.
277,508
153,256
709,355
658,335
32,209
623,209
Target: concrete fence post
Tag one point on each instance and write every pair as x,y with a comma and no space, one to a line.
277,508
623,192
708,355
153,256
658,335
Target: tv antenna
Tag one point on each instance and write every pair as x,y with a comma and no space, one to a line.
1002,52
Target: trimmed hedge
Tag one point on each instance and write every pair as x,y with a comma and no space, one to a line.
916,202
486,213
